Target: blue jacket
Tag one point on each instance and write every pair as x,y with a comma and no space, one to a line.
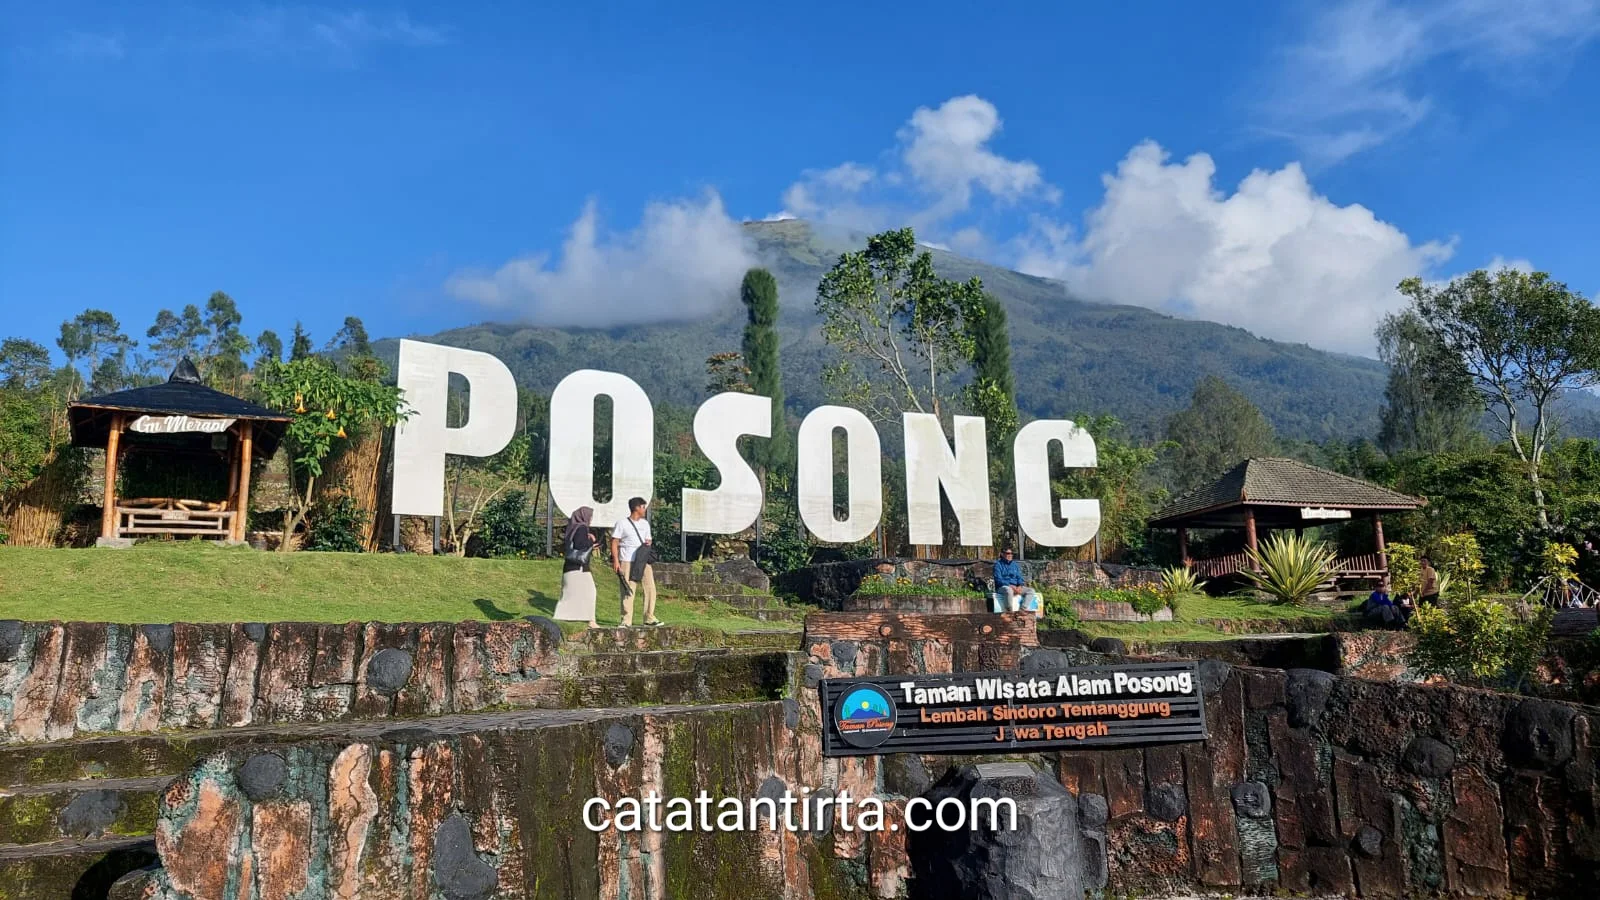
1008,573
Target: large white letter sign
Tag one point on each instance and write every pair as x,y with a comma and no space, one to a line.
718,424
633,443
423,439
1032,451
814,474
964,475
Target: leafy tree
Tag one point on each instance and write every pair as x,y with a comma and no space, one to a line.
759,293
993,392
175,336
472,483
226,347
1476,491
899,327
94,340
993,395
1123,481
1219,429
726,372
1522,340
1427,406
299,344
352,337
26,413
325,405
269,347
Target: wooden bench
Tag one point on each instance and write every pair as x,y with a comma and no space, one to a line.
179,518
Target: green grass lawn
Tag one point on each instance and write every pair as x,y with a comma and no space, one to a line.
195,582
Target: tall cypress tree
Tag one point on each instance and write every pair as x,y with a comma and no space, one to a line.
993,393
759,292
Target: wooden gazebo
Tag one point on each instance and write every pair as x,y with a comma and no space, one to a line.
1264,493
181,420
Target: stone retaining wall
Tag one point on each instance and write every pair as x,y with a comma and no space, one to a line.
58,680
1310,785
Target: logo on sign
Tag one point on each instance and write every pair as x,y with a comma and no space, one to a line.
865,716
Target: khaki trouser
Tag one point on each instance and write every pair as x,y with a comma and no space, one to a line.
630,588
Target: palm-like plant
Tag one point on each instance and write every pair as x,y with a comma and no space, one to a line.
1289,568
1179,584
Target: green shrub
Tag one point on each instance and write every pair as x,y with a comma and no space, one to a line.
1058,611
1478,640
1146,599
1289,568
1556,560
336,524
508,529
1405,572
1459,560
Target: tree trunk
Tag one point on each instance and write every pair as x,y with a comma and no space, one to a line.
357,473
293,518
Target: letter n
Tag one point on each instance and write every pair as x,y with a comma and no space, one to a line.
962,473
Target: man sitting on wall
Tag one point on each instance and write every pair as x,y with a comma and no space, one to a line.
1011,587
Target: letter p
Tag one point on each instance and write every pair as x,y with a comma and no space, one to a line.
421,441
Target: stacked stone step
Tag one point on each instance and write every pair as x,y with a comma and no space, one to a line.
78,799
738,583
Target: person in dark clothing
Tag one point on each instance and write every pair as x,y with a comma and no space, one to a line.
1379,611
1011,586
577,584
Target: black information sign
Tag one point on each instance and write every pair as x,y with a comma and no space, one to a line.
1013,712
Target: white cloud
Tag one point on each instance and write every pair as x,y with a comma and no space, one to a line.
337,35
340,36
1357,78
84,46
941,164
1274,256
1500,262
684,260
946,153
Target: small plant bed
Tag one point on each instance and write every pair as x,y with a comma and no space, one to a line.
1206,618
878,593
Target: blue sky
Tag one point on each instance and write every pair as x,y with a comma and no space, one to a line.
431,165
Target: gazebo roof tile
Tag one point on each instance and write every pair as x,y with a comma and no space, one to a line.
1283,482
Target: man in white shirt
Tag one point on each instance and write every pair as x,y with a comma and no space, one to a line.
631,534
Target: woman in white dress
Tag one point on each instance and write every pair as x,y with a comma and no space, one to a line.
577,584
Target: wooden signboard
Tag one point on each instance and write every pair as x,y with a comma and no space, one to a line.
1013,712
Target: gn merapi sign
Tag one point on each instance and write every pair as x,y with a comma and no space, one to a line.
1013,712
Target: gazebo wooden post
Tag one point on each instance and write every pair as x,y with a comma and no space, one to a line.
1250,535
108,512
1183,545
1383,549
246,453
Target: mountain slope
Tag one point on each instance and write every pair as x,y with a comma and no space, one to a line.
1071,356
